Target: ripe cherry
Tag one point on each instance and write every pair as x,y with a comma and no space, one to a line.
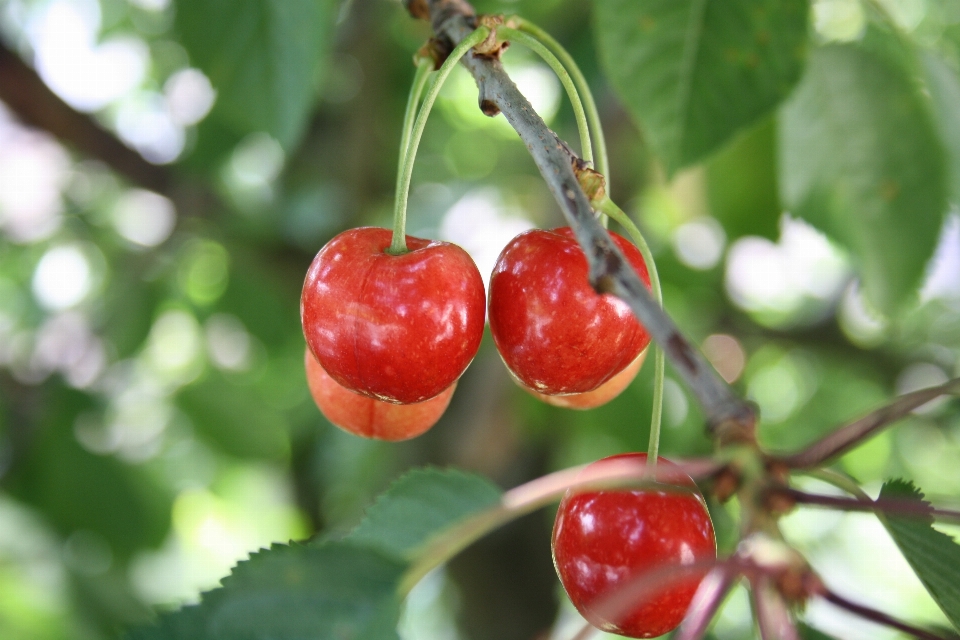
606,540
556,334
398,328
368,417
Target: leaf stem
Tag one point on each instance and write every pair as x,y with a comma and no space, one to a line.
424,67
609,207
590,106
399,245
535,45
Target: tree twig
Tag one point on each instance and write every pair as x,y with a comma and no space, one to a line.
892,506
879,617
842,440
730,418
36,105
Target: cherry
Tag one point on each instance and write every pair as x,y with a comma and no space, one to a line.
554,332
604,540
368,417
398,328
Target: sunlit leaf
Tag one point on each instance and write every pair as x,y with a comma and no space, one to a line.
693,72
420,504
262,58
860,158
934,556
334,591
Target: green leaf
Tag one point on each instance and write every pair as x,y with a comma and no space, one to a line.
742,184
421,504
944,87
860,159
934,556
693,72
235,418
334,591
262,57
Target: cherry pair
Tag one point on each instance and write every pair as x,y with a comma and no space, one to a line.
399,330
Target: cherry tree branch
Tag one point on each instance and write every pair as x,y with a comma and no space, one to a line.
730,418
846,438
880,617
36,105
891,506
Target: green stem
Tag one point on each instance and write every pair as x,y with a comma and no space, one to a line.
424,67
839,480
399,244
532,43
609,207
590,106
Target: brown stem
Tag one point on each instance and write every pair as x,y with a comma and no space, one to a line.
879,617
849,436
706,602
36,105
730,418
885,505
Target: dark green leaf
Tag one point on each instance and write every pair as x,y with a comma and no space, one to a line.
261,56
934,556
860,159
333,591
693,72
420,504
742,184
76,490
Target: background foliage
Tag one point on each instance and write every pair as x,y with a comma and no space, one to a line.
797,169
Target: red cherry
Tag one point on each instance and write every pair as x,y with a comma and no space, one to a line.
397,328
554,332
605,540
368,417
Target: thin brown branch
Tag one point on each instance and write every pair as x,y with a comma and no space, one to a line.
846,438
892,506
774,619
731,418
36,105
879,617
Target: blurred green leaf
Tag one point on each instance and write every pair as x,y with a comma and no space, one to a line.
693,72
235,418
944,86
420,504
261,56
78,490
860,159
335,591
742,184
934,556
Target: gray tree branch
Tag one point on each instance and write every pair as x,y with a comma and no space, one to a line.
730,418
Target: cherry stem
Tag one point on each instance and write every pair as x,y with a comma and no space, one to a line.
705,604
879,617
839,480
529,497
590,106
889,506
535,45
609,207
424,67
771,612
855,433
398,244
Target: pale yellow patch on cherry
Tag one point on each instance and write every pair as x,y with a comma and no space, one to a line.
367,417
599,396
